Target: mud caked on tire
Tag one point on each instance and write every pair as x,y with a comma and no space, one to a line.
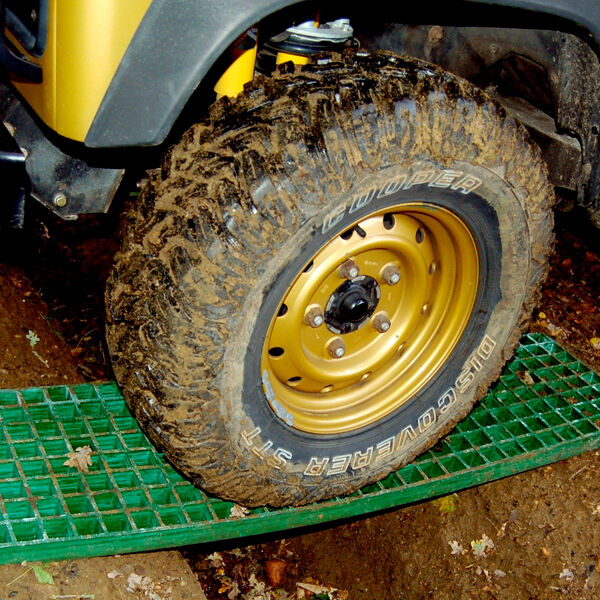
324,278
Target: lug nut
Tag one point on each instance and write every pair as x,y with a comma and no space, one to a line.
336,348
381,322
349,269
60,200
313,317
390,274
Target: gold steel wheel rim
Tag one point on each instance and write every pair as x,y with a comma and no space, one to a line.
425,268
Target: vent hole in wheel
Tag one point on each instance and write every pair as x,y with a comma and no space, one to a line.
308,267
388,220
282,310
276,351
326,389
294,380
420,236
347,234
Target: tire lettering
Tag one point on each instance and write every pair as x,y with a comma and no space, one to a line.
333,219
445,178
339,464
467,184
279,458
464,380
419,178
361,201
427,419
486,347
360,460
391,187
316,466
249,436
262,451
432,177
447,400
384,448
407,432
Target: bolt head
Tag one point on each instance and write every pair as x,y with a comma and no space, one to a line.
349,270
381,322
314,317
60,200
390,274
336,348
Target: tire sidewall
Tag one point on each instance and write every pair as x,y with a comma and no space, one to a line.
494,213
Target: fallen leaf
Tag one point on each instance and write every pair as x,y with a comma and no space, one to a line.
238,511
42,575
114,574
316,592
446,504
456,547
595,342
32,337
526,377
148,588
275,571
499,573
502,531
80,459
482,547
215,559
258,588
234,592
553,329
567,574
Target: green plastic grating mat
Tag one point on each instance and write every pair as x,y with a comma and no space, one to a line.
132,500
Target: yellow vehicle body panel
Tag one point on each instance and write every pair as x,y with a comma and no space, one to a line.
86,43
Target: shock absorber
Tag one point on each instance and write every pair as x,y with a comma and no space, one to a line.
298,42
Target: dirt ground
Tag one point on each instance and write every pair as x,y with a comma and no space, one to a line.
543,526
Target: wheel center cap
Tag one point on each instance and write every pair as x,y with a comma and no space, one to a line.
351,305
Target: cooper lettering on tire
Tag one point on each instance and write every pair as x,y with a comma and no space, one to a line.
324,277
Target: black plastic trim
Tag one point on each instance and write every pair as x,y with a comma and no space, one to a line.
15,182
17,65
32,37
179,40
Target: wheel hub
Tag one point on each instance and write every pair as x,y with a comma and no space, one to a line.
351,305
370,320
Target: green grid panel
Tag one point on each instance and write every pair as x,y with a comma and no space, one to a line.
132,500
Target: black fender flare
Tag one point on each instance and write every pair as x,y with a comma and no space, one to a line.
178,41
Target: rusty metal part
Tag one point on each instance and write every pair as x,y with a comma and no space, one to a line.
55,174
336,348
314,317
390,274
349,269
381,322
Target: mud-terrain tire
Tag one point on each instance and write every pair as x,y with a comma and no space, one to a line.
407,165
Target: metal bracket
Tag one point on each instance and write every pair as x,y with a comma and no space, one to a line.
67,185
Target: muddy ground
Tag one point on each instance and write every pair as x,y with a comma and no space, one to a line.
544,526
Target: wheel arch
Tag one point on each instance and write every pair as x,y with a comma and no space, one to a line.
142,104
